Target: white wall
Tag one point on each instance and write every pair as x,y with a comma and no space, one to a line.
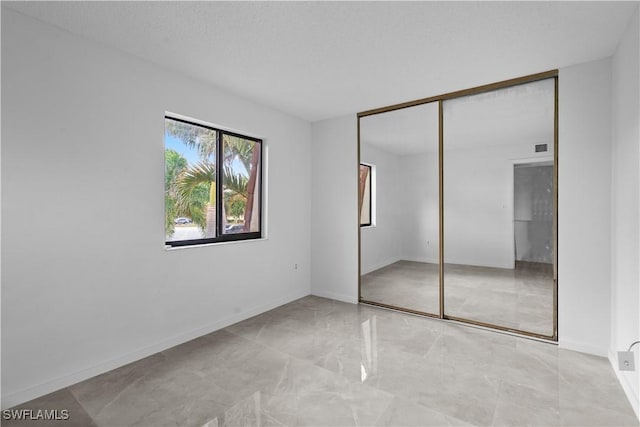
407,209
479,223
87,284
381,243
625,256
584,216
584,184
420,207
334,209
479,203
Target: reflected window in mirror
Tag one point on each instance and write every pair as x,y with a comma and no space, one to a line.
365,190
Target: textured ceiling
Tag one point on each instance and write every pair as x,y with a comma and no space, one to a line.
520,114
514,115
403,132
317,60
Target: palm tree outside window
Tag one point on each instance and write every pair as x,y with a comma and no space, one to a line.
199,207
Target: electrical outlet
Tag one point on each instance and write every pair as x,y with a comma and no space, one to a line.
626,361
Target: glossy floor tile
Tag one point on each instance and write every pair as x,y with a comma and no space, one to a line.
318,362
520,299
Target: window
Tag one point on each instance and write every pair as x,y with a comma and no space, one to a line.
213,190
365,195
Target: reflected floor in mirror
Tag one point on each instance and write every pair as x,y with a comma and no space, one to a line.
521,298
319,362
404,284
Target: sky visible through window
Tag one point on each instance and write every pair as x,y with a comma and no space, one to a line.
191,154
173,143
207,198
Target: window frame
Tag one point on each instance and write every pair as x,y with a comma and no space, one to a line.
221,237
370,178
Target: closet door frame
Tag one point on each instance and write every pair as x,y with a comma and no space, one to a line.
552,74
362,300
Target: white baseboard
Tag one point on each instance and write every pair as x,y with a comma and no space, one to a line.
424,260
583,348
509,265
351,299
377,266
632,394
369,269
21,396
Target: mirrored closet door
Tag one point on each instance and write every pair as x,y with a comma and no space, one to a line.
458,206
498,207
399,208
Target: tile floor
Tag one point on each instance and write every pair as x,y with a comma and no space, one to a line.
318,362
519,299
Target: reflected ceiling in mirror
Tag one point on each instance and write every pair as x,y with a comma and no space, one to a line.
407,131
516,114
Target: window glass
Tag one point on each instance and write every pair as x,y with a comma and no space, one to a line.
365,194
199,206
241,184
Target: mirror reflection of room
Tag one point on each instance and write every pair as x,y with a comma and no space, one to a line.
498,207
399,245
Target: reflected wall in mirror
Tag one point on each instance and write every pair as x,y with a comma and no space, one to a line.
498,208
399,251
